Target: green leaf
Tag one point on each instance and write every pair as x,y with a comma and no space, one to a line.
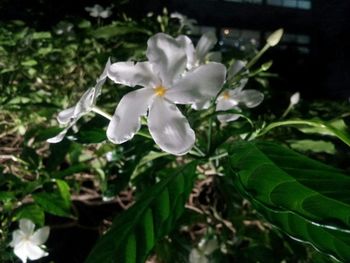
305,198
135,232
94,135
336,128
312,146
52,203
41,35
118,30
64,191
32,212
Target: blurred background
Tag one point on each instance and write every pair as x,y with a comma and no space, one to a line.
312,58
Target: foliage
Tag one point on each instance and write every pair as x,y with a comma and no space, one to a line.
248,190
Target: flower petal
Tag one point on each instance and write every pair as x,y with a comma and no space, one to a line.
205,43
27,226
236,67
85,103
250,97
198,85
17,237
169,128
130,74
40,236
66,115
126,119
227,104
21,251
59,137
197,256
105,70
189,49
201,105
167,56
34,252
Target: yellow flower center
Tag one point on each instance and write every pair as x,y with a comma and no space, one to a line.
226,95
160,91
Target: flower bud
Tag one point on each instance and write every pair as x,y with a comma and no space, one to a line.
266,65
275,37
294,99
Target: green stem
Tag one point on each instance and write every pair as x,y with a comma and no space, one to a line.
101,112
209,134
257,56
285,113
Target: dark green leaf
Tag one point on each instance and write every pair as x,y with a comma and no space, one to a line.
135,232
305,198
32,212
52,203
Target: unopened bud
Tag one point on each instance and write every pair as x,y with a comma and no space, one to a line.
275,37
294,99
266,65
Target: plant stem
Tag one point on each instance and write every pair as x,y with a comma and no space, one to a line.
257,56
101,112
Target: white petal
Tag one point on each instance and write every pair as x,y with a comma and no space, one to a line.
241,85
100,81
130,74
85,103
198,85
169,128
40,236
189,49
126,119
215,56
34,252
105,70
17,237
167,56
236,67
21,251
205,43
227,104
27,226
59,137
197,257
250,97
201,105
66,115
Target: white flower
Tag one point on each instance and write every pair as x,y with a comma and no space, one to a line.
164,86
99,11
294,99
185,21
71,115
232,98
197,56
27,243
205,248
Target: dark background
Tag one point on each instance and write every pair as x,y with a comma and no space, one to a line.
324,72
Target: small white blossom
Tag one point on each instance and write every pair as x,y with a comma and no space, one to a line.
294,99
71,115
99,11
204,249
29,244
165,85
231,99
199,56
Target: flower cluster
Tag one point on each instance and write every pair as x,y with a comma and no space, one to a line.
175,73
